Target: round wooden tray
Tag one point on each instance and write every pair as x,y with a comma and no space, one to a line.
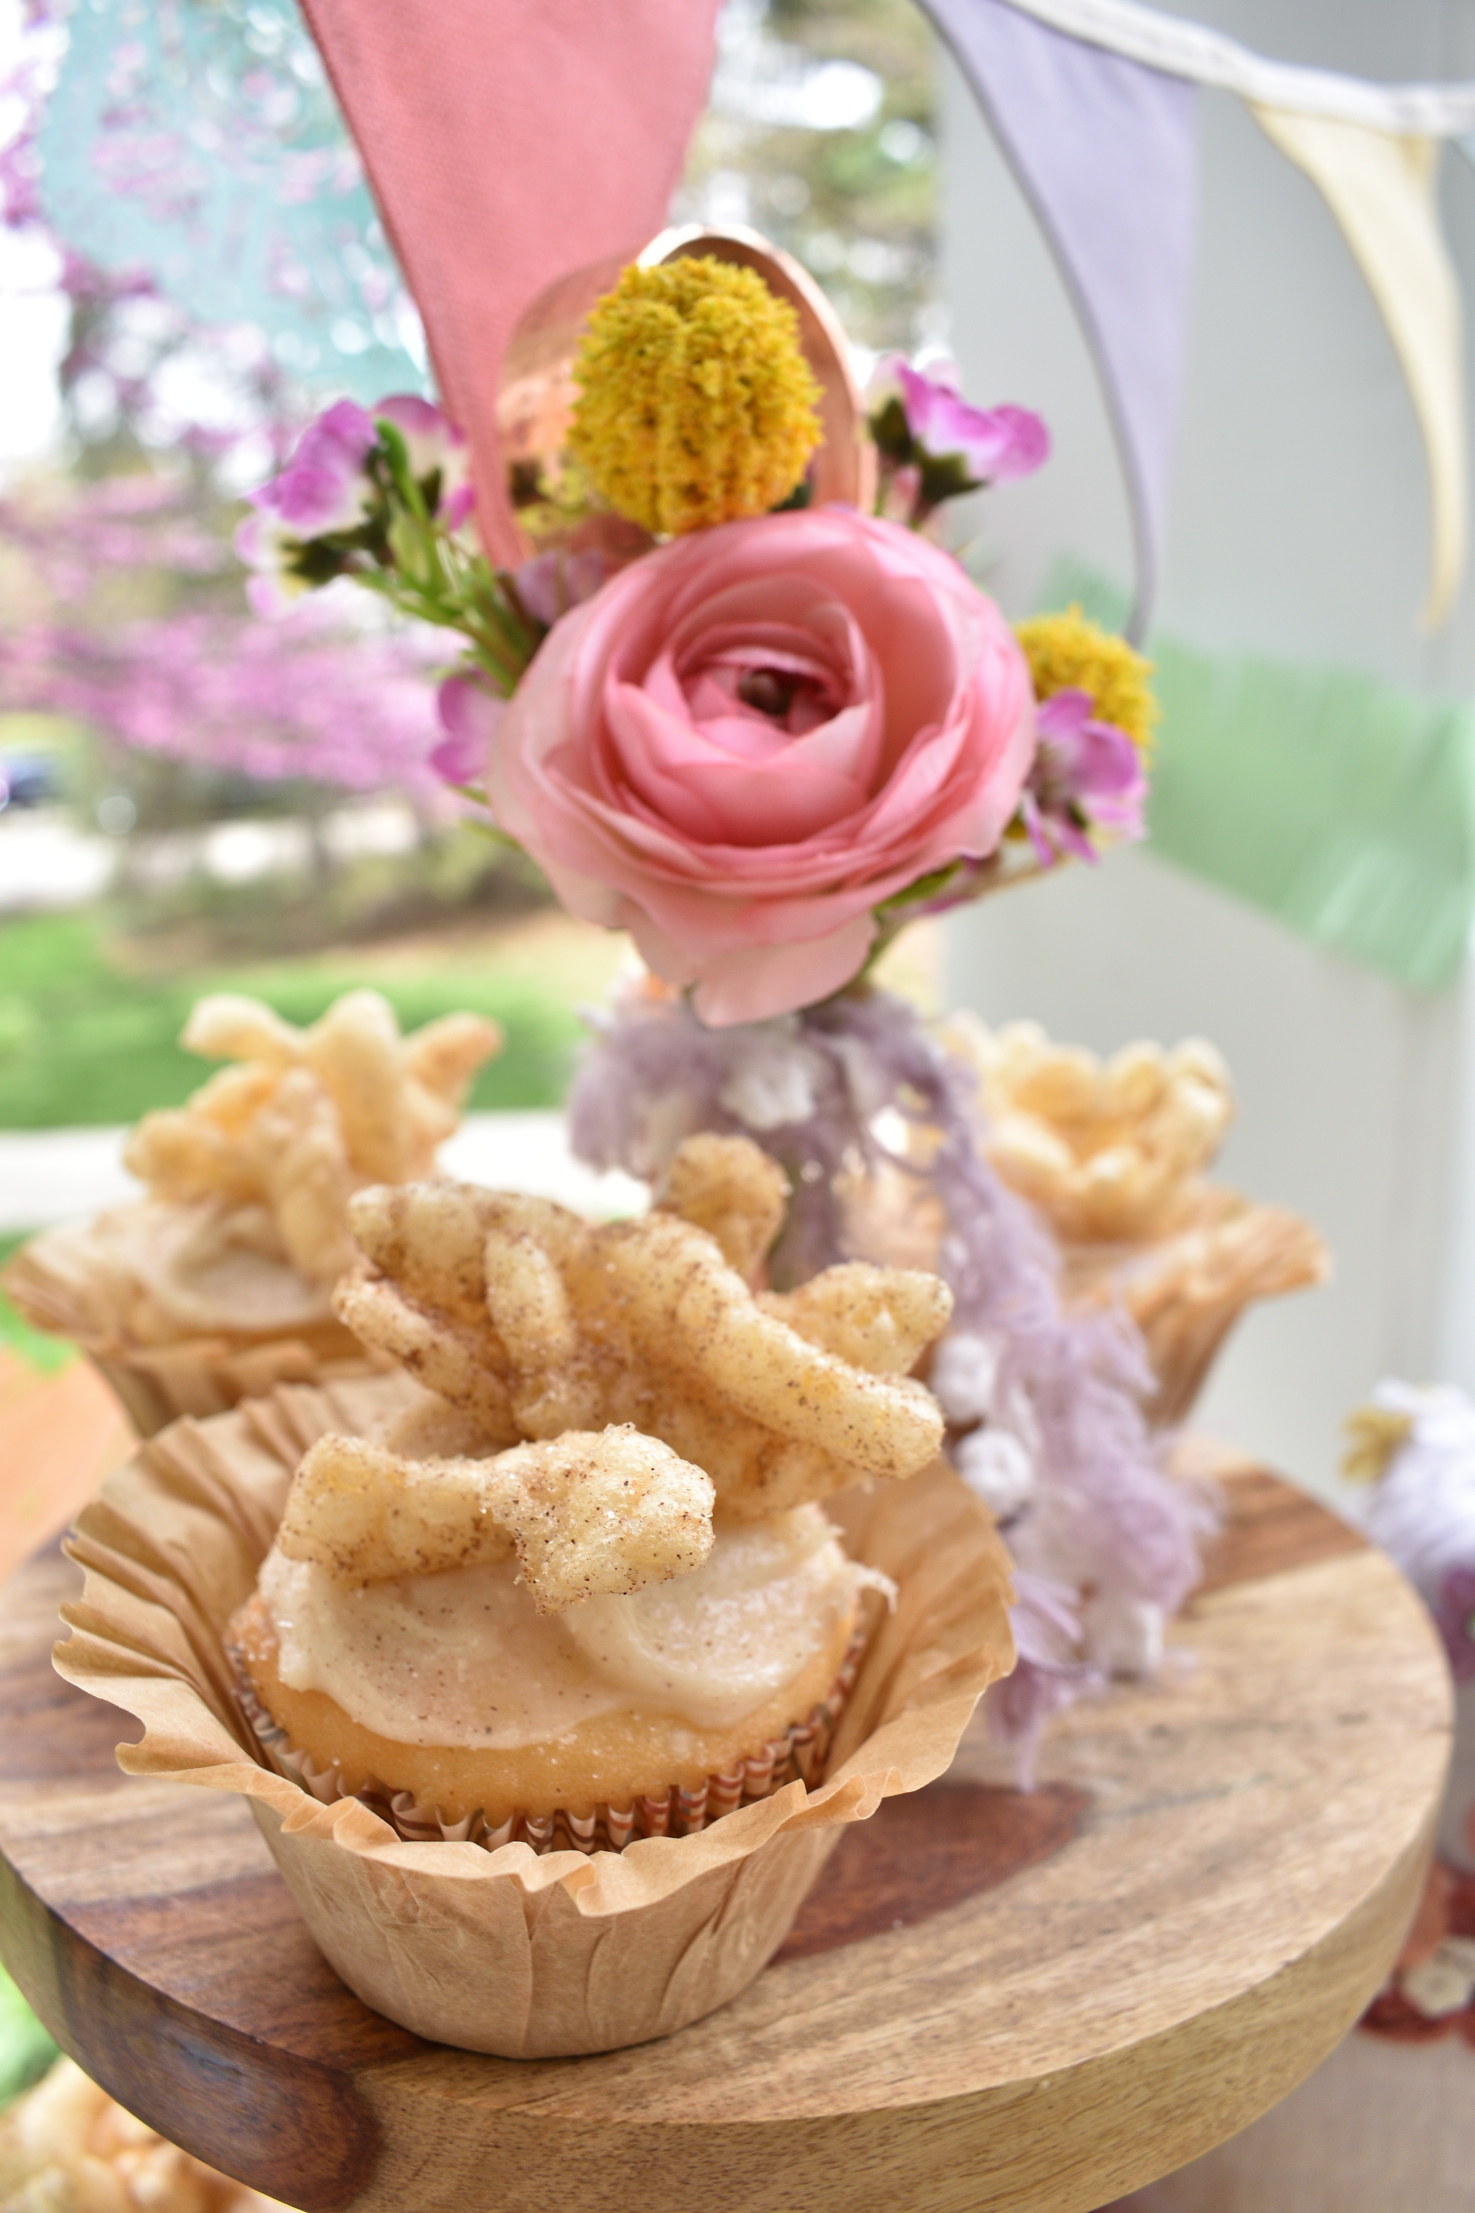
992,2001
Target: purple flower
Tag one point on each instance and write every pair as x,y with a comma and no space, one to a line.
436,449
995,444
469,715
328,491
267,550
919,417
324,487
1086,775
1454,1610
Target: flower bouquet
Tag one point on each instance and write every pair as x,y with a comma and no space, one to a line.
740,701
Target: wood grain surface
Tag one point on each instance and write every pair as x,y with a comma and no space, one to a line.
993,2001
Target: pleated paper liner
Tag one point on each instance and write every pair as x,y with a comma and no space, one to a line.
198,1375
210,1375
801,1751
504,1947
1187,1288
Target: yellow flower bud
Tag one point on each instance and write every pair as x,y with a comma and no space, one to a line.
1068,653
696,405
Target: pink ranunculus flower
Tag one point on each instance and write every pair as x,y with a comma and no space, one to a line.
750,738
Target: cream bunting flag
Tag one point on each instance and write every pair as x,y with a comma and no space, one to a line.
1381,190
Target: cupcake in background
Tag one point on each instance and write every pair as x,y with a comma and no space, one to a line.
67,2147
217,1284
1114,1154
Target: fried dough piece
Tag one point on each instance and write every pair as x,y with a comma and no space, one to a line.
877,1318
732,1189
309,1116
439,1352
522,1314
296,1143
1108,1150
602,1511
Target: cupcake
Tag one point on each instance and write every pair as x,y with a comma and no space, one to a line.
218,1282
561,1670
595,1632
556,1940
1114,1156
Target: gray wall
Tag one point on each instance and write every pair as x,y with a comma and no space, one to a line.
1298,526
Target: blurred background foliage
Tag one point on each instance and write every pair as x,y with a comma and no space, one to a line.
821,134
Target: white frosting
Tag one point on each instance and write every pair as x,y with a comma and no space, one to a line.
464,1658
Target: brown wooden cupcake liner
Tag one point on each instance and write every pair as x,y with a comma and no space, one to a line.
800,1753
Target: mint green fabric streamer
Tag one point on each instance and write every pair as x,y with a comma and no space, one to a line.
1340,805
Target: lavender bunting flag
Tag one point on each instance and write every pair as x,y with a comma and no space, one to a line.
1106,151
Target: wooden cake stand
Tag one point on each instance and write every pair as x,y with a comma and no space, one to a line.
992,2002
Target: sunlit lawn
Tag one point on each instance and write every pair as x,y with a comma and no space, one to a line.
89,1035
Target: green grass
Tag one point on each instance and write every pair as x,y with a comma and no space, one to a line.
49,1354
84,1041
26,2051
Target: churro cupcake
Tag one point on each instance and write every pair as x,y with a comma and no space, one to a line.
1114,1156
637,1614
528,1947
218,1282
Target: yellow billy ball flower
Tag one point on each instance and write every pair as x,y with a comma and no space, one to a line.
1066,652
696,405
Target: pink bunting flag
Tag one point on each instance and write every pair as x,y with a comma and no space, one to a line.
509,142
1106,150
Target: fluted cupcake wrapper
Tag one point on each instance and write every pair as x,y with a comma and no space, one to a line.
197,1374
536,1946
798,1755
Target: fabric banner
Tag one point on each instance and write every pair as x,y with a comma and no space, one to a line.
508,143
1341,806
1381,190
1107,153
1210,58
